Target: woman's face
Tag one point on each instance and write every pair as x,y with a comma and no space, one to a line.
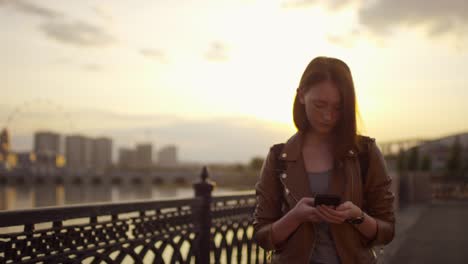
322,105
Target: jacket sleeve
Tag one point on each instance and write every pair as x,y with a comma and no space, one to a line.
379,198
268,206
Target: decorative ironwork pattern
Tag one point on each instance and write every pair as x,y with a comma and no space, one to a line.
232,231
146,232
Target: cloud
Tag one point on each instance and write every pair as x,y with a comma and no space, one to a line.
380,17
29,8
154,54
342,41
85,66
331,4
345,40
217,52
92,67
439,16
62,61
103,13
56,26
78,33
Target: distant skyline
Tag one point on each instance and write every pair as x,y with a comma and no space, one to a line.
226,140
233,139
143,63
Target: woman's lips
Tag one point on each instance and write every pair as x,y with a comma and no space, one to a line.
325,125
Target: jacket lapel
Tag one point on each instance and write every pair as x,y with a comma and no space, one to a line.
296,179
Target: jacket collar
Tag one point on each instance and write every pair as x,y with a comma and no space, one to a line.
296,178
293,147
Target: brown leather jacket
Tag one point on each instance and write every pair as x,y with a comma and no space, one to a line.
277,195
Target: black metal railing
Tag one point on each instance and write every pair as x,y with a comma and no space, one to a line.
203,229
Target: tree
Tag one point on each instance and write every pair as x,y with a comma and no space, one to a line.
465,166
454,161
401,161
238,167
426,163
413,159
256,163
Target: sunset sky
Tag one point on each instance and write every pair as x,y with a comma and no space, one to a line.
218,59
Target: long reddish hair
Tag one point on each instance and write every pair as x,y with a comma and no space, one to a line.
331,69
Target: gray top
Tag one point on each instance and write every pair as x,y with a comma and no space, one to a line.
324,250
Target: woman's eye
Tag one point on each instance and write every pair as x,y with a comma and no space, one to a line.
319,105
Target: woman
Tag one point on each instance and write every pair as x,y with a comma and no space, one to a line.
325,156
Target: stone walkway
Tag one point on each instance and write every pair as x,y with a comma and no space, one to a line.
439,234
406,218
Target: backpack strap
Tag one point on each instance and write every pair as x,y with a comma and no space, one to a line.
363,156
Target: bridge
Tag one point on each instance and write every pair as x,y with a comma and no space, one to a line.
395,146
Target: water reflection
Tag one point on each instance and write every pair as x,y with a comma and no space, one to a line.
13,197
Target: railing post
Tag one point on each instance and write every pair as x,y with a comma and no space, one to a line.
203,190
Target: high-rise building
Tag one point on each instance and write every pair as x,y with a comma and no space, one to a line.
4,143
79,153
102,154
127,158
46,142
144,156
47,152
167,156
4,149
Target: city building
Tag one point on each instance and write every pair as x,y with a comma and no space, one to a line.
4,150
127,158
167,156
78,154
144,155
102,154
437,153
46,142
47,152
4,144
439,150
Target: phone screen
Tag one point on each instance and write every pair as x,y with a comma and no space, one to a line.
327,199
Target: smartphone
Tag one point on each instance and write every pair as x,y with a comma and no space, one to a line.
327,199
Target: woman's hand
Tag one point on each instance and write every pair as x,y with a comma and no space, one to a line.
304,211
340,214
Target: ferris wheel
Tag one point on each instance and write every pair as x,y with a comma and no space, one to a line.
34,116
39,114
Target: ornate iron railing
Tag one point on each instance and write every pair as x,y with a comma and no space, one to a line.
232,230
203,229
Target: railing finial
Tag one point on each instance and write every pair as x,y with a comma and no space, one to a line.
204,174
